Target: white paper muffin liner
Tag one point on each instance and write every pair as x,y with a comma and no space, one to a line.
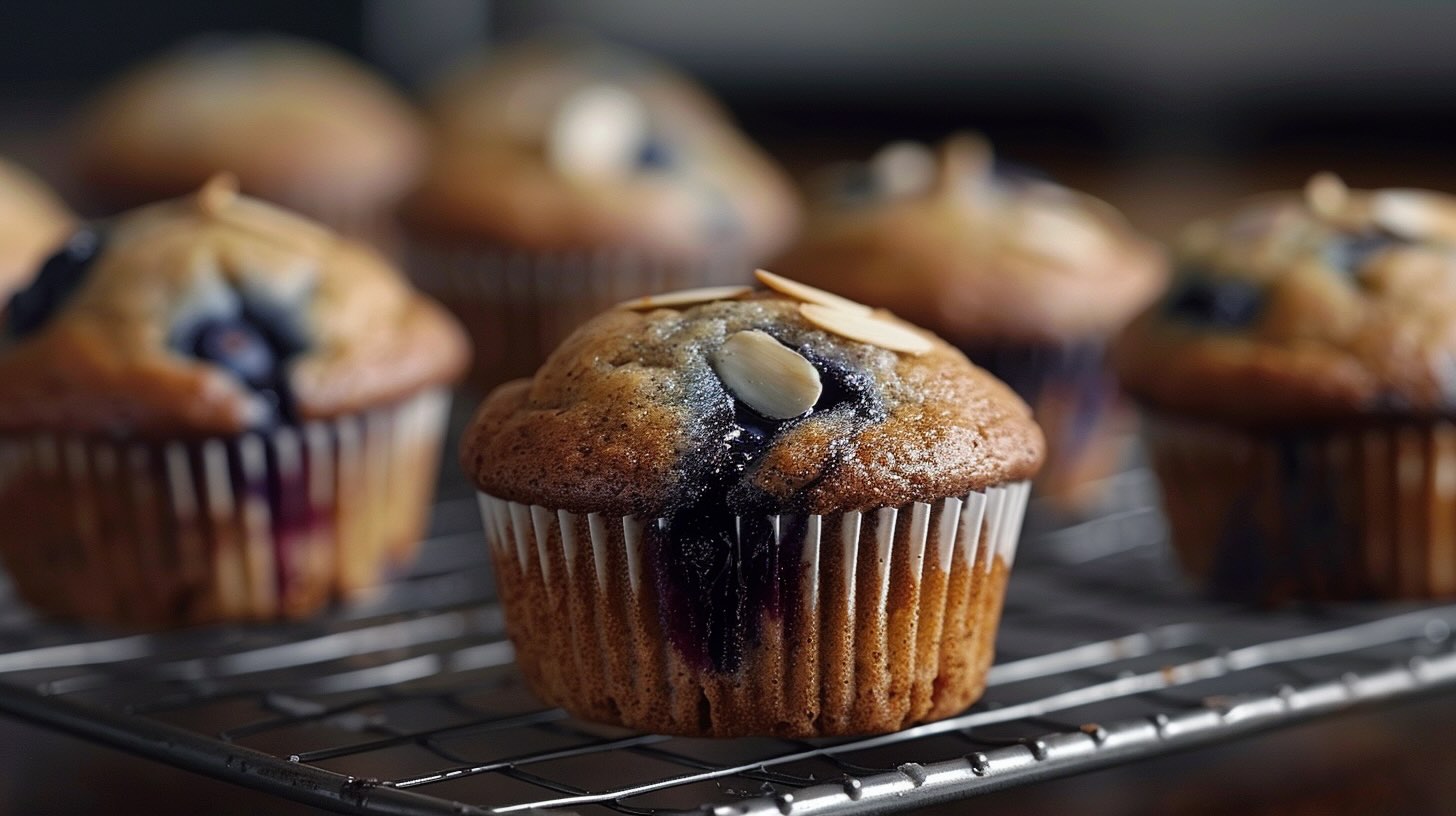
258,526
878,619
1311,514
518,306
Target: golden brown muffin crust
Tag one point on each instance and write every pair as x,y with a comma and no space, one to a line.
1334,304
33,222
492,177
104,362
623,415
975,258
294,120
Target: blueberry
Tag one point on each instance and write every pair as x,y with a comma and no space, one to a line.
237,346
1215,302
855,183
719,566
278,324
841,385
33,306
1015,174
655,154
249,346
1349,252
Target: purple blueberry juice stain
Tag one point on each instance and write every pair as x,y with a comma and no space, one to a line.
293,517
1350,252
1214,302
1309,554
254,344
720,568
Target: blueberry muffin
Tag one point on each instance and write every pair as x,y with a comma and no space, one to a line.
1028,278
1298,379
33,222
754,511
212,409
299,123
570,175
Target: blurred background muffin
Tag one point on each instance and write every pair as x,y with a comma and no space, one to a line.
33,222
212,409
568,175
769,512
299,123
1299,379
1025,276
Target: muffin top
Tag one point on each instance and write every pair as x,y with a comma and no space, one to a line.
214,314
780,400
296,121
975,252
1332,304
570,145
33,222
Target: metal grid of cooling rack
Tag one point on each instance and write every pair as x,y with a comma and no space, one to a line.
409,703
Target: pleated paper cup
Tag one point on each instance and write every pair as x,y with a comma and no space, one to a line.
1338,513
846,623
260,526
1078,404
519,306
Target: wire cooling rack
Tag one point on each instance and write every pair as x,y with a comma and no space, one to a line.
410,704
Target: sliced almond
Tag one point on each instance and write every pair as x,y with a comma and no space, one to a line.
866,328
966,163
767,375
685,297
597,133
218,193
1059,234
903,169
1414,214
1327,195
808,294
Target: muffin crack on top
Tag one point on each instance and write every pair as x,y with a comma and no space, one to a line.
633,414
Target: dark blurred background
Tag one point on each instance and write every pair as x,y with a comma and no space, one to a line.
1167,107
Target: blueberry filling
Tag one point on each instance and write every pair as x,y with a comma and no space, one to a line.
1009,173
855,184
32,307
253,346
1349,252
1216,302
238,347
293,514
655,154
718,567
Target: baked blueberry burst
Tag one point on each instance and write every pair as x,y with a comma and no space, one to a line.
32,307
720,568
1215,301
253,345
